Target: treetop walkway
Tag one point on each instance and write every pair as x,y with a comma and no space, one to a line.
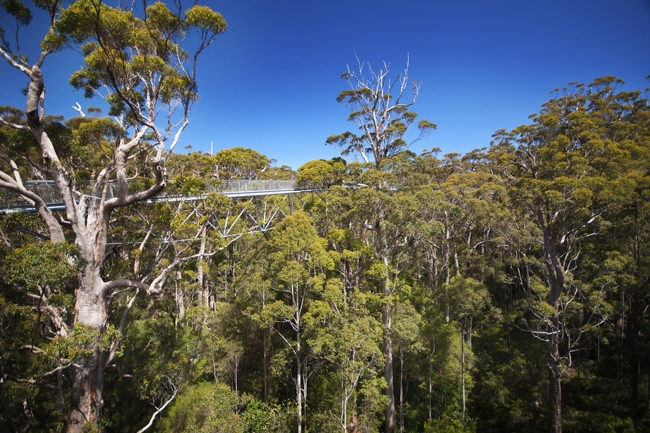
11,202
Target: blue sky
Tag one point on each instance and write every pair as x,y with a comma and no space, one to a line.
270,82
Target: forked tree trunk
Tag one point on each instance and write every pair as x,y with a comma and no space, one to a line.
89,220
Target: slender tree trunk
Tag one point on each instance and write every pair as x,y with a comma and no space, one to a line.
556,280
527,281
298,390
298,371
447,264
305,383
462,374
387,321
388,371
180,303
430,388
204,296
555,384
432,259
401,389
344,404
265,356
634,361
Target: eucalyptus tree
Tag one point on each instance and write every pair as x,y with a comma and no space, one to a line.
379,106
347,334
320,173
145,69
240,163
569,168
297,264
406,332
467,298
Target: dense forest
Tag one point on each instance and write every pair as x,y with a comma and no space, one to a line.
506,289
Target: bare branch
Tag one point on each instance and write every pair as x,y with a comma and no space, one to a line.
78,109
159,410
13,125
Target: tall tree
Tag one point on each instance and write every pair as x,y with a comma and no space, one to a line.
380,105
297,263
569,168
140,67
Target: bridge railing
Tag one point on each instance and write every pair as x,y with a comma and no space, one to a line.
48,192
45,189
254,186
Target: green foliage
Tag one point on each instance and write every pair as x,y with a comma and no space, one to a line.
600,422
134,49
205,18
321,173
262,418
448,425
240,163
19,11
205,407
42,265
454,246
82,342
466,295
294,243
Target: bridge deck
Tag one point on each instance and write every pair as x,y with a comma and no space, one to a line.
10,203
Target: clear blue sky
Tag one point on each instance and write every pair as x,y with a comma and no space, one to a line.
270,82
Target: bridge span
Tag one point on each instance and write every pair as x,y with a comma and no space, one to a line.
236,189
254,205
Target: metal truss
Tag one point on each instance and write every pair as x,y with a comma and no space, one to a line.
238,208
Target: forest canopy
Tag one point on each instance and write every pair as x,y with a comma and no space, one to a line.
503,264
501,290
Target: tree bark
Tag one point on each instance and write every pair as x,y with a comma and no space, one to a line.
388,372
401,388
265,350
298,383
87,387
632,335
89,219
556,282
87,374
555,384
387,321
462,374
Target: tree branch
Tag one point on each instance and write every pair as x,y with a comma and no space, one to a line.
153,417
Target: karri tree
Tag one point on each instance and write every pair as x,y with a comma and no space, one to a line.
570,169
143,63
379,105
298,262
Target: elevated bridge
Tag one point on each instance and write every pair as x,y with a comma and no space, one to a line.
252,206
237,189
